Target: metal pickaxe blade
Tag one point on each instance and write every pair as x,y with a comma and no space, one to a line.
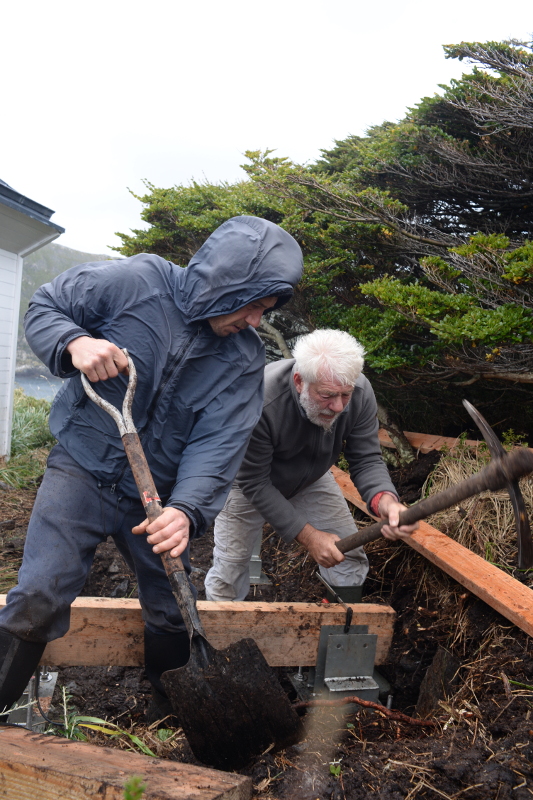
523,529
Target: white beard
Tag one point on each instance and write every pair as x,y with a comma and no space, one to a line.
315,413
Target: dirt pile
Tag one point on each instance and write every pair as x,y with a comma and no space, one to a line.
481,687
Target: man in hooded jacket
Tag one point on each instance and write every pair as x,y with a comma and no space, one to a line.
190,333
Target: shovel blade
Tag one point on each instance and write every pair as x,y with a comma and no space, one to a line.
230,704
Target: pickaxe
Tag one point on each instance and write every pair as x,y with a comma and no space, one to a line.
503,472
523,530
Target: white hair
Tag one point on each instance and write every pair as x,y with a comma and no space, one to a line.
329,355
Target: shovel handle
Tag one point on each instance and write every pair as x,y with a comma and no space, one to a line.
153,508
150,499
494,476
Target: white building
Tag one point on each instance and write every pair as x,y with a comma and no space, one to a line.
24,227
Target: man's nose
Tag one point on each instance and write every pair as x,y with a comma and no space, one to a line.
254,318
335,404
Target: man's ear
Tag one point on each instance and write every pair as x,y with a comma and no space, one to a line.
298,382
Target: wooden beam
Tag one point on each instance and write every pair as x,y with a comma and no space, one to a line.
500,591
53,768
425,441
109,631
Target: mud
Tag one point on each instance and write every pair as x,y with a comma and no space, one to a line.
481,746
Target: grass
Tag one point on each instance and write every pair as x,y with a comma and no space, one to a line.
31,440
484,523
134,788
9,576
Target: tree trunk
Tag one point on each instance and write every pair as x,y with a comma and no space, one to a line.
277,337
390,423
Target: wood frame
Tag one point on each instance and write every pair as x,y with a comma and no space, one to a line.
500,591
53,768
424,441
109,631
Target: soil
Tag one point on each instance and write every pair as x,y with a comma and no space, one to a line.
453,659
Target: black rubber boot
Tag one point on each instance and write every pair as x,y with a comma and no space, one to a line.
18,662
161,653
350,594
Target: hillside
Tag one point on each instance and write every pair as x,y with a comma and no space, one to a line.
41,267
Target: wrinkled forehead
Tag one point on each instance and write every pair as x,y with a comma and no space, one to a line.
329,385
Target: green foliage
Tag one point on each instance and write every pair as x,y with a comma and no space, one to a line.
181,218
165,734
481,242
74,722
512,439
134,788
415,236
31,440
30,423
453,318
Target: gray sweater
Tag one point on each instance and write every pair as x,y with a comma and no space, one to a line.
287,452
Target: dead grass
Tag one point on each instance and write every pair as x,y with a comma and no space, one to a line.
484,524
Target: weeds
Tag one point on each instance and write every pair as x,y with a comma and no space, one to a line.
30,424
134,788
484,523
73,722
31,440
8,578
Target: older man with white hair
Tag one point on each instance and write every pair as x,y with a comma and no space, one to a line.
317,405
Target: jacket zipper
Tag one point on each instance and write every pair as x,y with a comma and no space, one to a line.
174,365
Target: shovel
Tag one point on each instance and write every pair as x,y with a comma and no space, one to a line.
229,702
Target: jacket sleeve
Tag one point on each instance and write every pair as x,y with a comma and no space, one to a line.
363,452
216,446
255,483
75,304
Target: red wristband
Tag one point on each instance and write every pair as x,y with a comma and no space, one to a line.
374,503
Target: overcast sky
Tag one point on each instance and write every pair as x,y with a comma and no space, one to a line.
97,96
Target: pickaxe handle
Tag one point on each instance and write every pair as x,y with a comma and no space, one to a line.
494,476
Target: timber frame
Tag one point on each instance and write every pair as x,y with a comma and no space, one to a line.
500,591
34,765
107,631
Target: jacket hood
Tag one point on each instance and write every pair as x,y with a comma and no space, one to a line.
245,259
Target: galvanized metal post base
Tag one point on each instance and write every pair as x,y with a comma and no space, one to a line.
257,576
344,667
27,714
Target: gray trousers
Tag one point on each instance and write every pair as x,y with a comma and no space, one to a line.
72,514
239,526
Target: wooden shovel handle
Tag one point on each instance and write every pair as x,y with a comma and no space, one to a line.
153,508
494,476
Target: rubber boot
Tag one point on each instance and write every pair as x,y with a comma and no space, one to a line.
18,662
161,653
350,594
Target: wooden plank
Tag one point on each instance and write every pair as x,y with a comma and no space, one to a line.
425,441
53,768
500,591
109,631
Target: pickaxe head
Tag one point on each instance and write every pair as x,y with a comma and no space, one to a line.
525,542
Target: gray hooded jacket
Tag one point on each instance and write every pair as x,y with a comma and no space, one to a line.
199,395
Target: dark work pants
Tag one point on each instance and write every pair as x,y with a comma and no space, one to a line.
71,516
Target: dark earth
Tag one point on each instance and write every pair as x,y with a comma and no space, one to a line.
453,660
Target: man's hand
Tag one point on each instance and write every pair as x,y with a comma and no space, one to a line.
390,508
170,531
321,546
97,358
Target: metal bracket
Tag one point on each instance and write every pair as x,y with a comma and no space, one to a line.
345,662
26,714
257,576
